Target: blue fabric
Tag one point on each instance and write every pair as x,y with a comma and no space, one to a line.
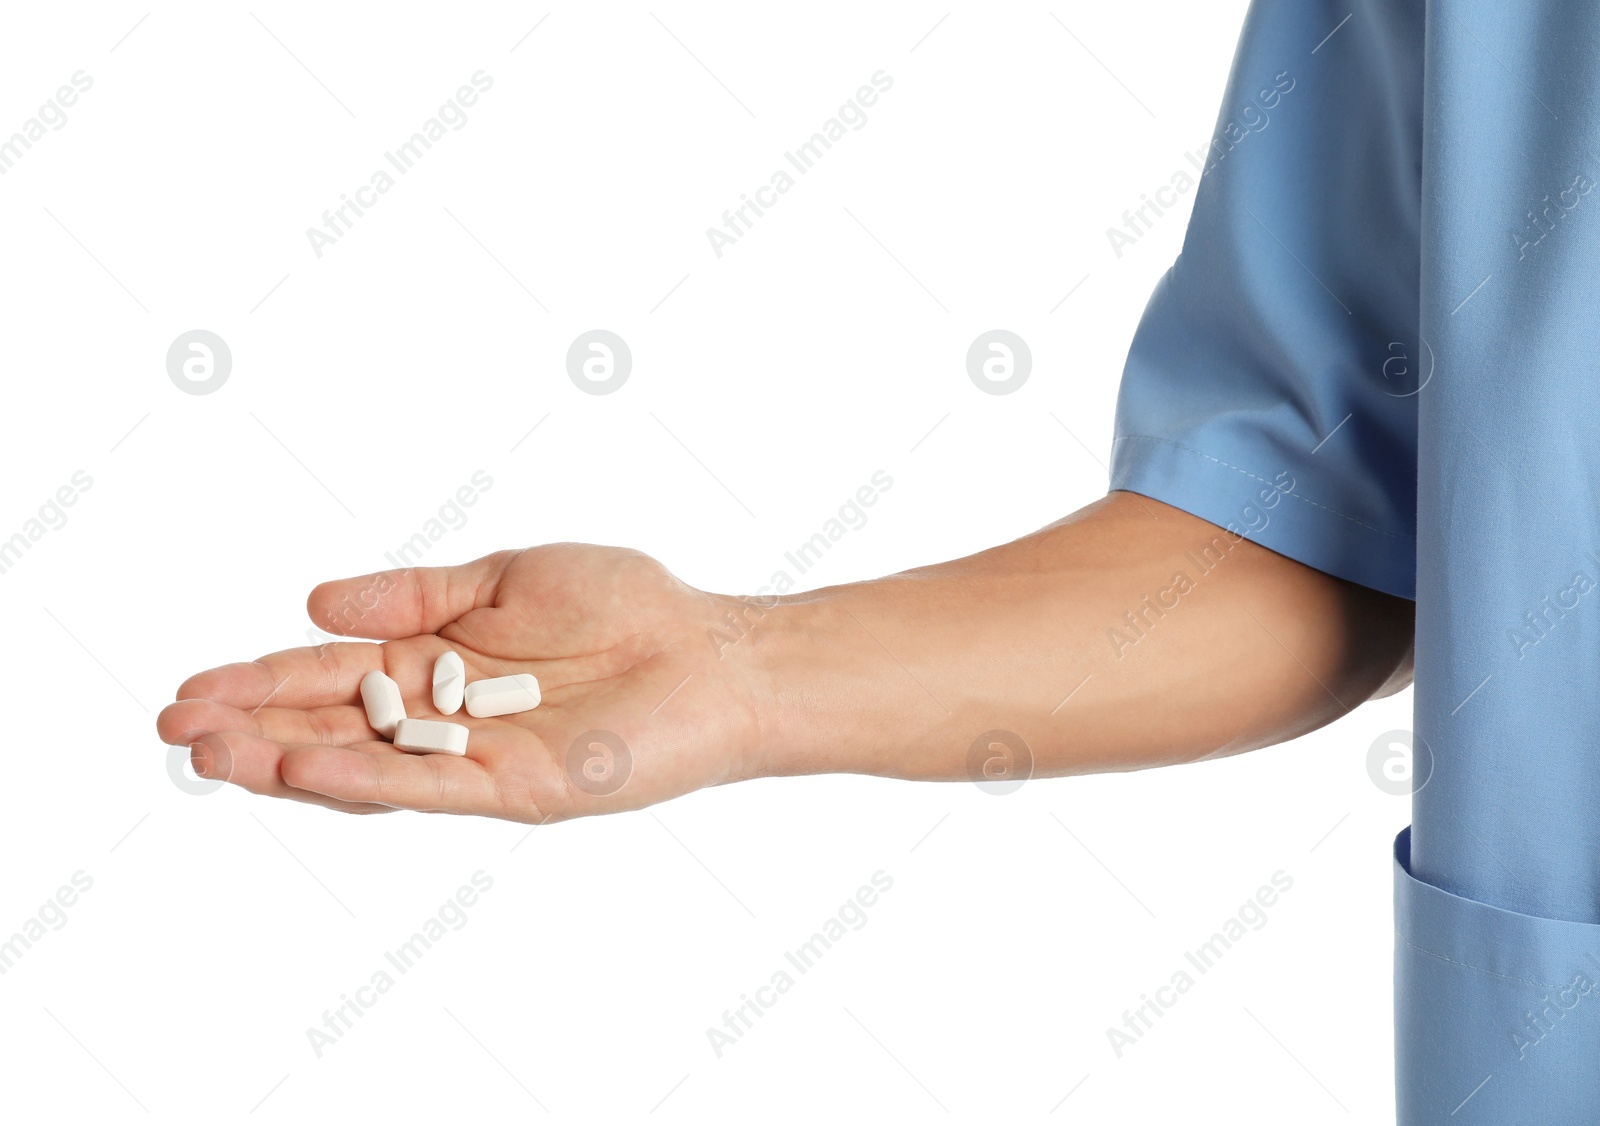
1376,355
1271,384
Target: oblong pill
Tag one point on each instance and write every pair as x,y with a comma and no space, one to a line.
431,736
449,682
380,695
502,695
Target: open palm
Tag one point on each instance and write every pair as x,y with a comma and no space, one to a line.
638,704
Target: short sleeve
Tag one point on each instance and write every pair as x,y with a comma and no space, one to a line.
1271,386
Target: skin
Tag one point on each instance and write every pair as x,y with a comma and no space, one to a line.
898,677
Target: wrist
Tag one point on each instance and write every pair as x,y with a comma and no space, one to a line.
827,696
771,643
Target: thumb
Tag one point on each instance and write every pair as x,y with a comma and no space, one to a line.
403,603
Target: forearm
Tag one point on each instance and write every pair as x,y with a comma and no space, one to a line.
1130,634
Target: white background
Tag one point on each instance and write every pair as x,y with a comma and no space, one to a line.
767,386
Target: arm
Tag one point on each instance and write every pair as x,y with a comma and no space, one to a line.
1174,639
1220,646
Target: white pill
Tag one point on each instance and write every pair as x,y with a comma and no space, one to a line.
435,736
502,695
449,681
381,697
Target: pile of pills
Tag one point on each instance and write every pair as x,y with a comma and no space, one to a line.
500,695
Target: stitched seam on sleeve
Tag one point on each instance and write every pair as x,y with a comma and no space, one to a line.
1263,480
1467,966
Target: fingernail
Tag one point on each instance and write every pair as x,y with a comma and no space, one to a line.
199,758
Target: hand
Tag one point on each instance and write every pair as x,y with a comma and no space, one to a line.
619,647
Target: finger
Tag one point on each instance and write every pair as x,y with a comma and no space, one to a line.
427,783
324,675
306,677
406,602
180,724
254,764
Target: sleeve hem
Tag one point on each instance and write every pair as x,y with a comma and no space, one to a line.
1277,512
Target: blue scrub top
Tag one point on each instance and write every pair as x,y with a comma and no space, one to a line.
1376,355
